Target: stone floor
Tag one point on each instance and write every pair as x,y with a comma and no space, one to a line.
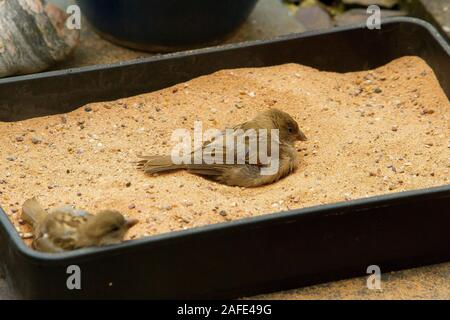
271,19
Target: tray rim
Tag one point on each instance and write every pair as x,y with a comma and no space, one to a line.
39,258
233,46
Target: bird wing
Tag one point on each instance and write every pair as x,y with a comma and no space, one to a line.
60,229
216,148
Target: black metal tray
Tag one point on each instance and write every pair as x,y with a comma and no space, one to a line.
251,256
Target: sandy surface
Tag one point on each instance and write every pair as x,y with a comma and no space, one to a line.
430,282
370,133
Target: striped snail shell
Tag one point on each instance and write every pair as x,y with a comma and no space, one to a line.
33,36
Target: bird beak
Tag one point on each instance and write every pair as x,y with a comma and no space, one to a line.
129,223
301,136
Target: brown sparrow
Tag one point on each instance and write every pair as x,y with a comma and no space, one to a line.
246,173
66,228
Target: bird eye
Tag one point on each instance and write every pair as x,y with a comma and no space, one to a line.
290,129
116,228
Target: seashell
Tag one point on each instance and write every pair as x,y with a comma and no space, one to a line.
33,36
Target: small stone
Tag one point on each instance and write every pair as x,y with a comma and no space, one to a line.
392,168
11,158
87,109
79,194
223,213
128,184
36,140
187,203
377,90
394,128
14,210
132,206
19,138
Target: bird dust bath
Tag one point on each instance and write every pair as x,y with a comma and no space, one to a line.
370,133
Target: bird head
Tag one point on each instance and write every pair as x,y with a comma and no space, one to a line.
289,130
107,227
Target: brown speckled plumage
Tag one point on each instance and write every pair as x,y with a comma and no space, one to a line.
66,229
248,174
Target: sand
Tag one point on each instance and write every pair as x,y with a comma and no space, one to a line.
370,133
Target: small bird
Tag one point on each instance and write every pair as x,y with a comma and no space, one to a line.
247,173
66,228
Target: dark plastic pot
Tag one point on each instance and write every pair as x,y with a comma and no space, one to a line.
165,25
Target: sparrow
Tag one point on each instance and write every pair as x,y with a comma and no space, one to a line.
66,228
246,173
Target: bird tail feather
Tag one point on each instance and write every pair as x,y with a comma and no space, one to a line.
32,212
156,164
